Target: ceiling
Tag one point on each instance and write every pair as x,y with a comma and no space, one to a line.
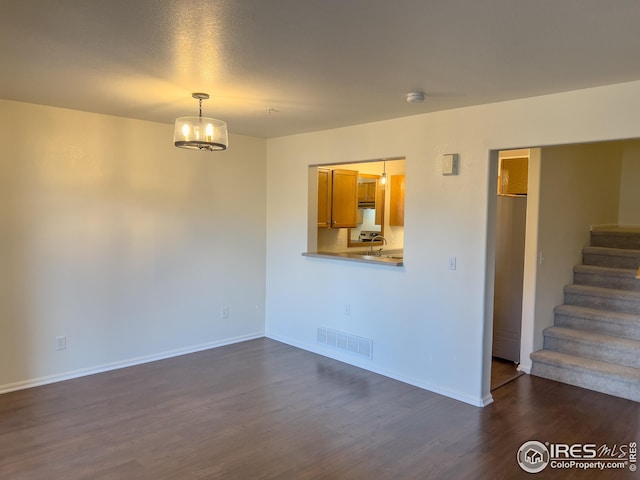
314,64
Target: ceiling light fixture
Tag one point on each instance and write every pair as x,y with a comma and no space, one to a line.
415,97
200,133
383,179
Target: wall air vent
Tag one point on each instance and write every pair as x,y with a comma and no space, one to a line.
360,346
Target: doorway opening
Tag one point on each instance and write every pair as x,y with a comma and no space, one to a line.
571,190
510,236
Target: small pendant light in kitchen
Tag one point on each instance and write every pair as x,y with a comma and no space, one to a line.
200,133
383,179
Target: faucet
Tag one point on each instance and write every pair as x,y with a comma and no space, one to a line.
376,238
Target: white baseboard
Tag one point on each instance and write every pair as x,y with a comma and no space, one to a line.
367,365
83,372
525,367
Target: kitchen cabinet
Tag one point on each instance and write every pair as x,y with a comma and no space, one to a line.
344,198
324,198
513,176
396,201
380,205
337,198
367,192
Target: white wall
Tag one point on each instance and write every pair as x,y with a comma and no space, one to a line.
123,243
630,185
430,326
528,334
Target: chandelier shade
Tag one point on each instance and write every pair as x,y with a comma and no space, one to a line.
200,133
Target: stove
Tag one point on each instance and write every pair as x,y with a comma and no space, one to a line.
367,235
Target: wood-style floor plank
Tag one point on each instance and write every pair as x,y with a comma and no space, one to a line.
262,409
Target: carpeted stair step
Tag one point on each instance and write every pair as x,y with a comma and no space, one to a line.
602,298
621,351
611,257
587,373
616,238
595,340
604,322
606,277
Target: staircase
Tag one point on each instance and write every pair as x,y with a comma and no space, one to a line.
595,340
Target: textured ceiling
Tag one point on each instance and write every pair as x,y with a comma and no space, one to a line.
318,63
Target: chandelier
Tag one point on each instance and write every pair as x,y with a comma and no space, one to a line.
200,133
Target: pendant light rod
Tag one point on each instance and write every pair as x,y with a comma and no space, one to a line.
200,97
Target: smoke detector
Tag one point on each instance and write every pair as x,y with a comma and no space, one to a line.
415,97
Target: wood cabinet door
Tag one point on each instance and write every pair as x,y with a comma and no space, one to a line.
514,176
379,204
396,207
344,201
324,198
367,192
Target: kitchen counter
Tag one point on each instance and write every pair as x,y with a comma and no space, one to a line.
392,258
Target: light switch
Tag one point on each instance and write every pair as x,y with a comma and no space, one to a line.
450,164
452,263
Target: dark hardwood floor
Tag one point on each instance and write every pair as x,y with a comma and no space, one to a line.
503,372
262,409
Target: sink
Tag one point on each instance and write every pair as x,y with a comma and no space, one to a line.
366,255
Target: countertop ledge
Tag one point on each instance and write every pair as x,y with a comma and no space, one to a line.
353,257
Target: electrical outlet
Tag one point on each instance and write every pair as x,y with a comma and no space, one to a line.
347,309
224,313
61,343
